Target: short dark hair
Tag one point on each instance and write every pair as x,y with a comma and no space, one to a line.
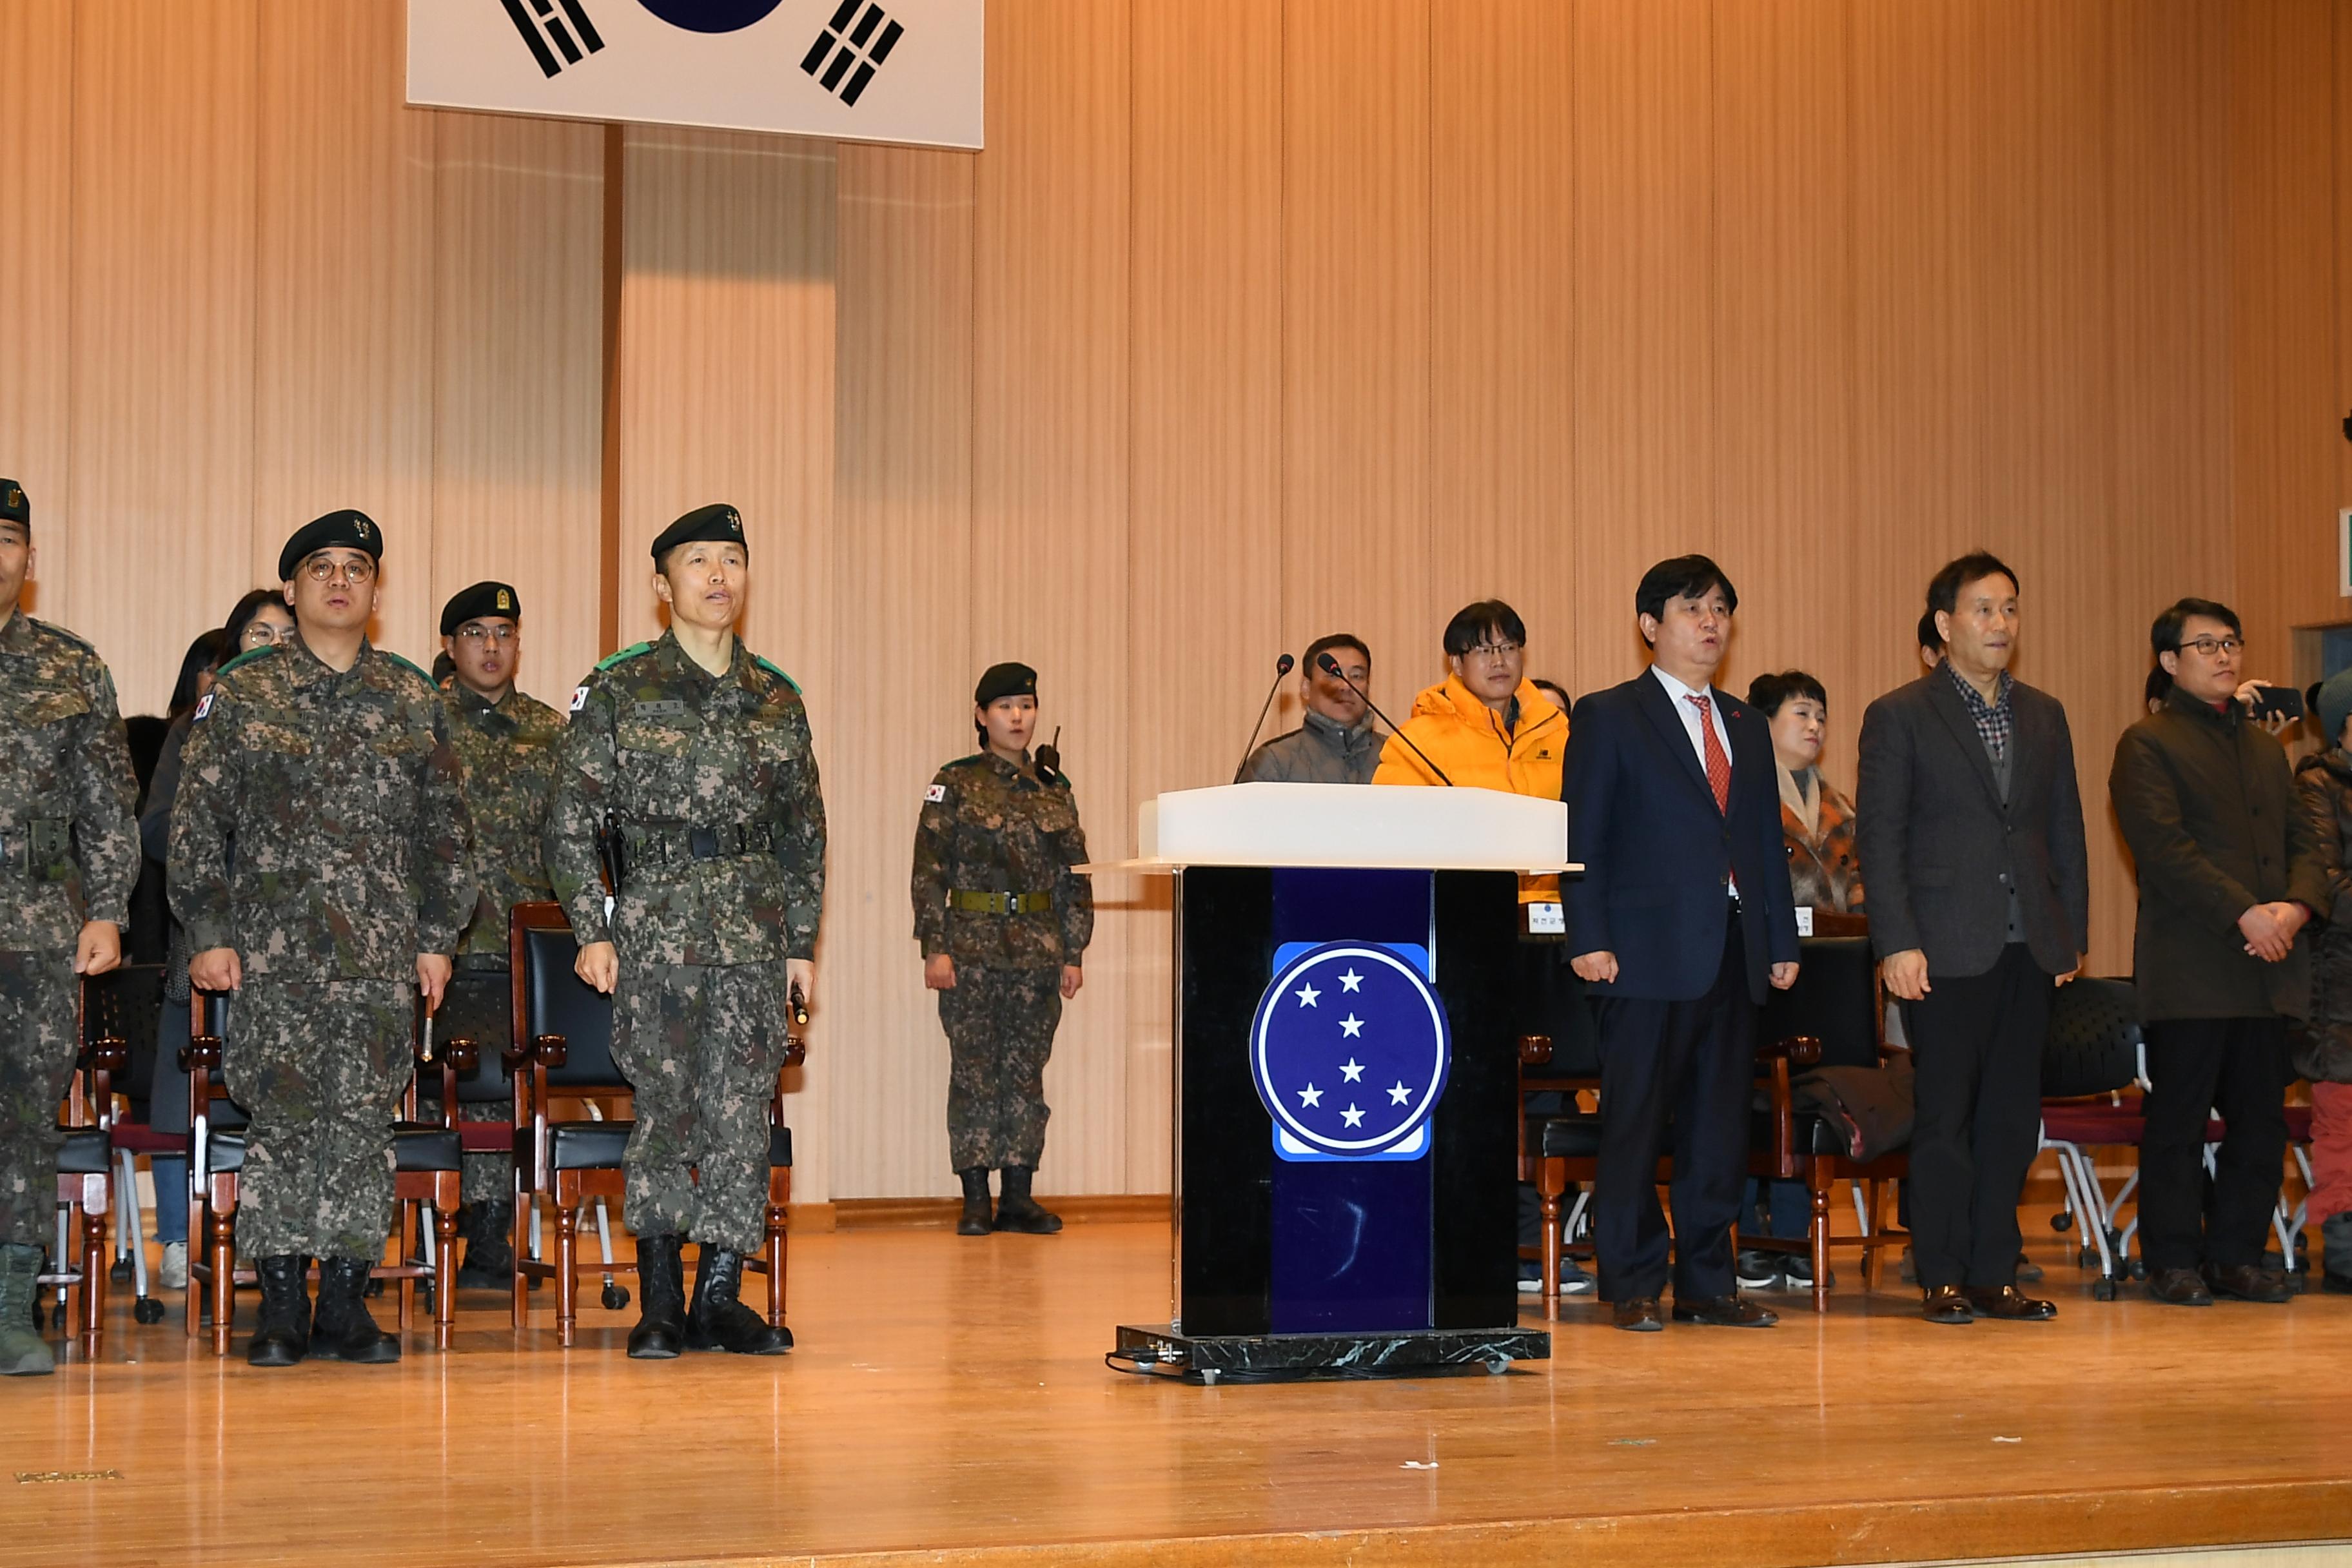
1944,587
1470,623
1769,693
1684,577
2164,635
1563,701
1929,637
1336,639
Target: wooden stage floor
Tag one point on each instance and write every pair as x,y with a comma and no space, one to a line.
948,1404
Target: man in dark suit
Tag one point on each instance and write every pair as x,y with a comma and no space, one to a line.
1682,917
1969,823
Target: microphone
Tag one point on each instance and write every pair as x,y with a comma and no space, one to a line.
1281,666
1331,665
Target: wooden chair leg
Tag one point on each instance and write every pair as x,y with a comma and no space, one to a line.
519,1284
780,1192
1551,1185
1870,1203
192,1302
567,1277
224,1254
1818,1232
96,1212
406,1208
444,1269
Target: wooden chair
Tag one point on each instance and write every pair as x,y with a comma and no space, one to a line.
125,1004
1835,1016
425,1168
563,1050
1567,1064
85,1173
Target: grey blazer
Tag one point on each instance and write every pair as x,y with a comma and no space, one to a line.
1941,848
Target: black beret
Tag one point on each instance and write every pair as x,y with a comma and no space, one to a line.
718,522
349,529
14,507
481,599
1004,680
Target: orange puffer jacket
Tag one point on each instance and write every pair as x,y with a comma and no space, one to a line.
1468,738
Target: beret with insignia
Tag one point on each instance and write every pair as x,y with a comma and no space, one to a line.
1005,681
493,599
14,507
349,529
717,523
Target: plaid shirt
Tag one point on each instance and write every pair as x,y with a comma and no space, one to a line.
1993,720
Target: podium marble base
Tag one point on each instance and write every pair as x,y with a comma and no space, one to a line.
1212,1358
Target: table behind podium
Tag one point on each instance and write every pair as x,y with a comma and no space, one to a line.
1346,1077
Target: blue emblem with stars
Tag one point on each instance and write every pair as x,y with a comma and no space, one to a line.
1349,1050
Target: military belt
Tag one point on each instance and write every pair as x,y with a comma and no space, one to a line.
972,903
31,848
658,846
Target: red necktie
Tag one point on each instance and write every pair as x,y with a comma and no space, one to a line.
1718,766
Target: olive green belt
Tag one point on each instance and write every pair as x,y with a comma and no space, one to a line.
972,903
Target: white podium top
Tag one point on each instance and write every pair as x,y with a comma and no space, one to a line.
1349,826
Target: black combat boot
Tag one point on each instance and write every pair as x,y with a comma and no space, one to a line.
343,1330
717,1320
22,1352
283,1335
1017,1210
488,1262
660,1333
977,1220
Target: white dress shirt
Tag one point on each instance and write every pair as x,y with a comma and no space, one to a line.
1680,695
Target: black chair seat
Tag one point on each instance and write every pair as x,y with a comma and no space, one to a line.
224,1152
426,1148
1576,1137
1811,1133
599,1145
89,1151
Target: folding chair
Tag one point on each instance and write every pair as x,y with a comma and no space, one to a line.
2094,1053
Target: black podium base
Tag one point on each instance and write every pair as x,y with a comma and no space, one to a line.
1213,1358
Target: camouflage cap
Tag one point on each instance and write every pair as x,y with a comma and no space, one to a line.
14,507
718,523
493,599
349,529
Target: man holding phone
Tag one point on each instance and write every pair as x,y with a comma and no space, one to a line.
2229,874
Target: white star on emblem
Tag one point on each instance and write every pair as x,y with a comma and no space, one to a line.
1350,1028
1352,1116
1307,994
1310,1095
1400,1094
1351,981
1354,1071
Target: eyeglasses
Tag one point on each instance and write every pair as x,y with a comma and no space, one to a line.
478,633
2207,646
358,574
259,634
1494,652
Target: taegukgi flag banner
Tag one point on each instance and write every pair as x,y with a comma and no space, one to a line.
866,71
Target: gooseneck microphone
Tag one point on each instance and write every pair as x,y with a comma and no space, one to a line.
1330,666
1281,666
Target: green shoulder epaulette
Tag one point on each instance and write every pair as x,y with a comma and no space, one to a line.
779,674
408,666
248,656
977,757
634,648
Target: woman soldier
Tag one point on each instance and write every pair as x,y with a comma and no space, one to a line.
1003,917
693,757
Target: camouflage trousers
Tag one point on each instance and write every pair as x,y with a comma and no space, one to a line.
701,1045
1000,1025
318,1066
478,1006
38,1049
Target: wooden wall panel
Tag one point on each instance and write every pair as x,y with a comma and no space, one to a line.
1502,341
725,374
160,406
1050,478
1205,519
36,273
343,348
902,509
517,387
1644,267
1355,333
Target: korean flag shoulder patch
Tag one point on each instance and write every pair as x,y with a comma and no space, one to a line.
579,697
203,705
935,793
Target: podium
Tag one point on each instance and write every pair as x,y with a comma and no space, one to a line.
1346,1077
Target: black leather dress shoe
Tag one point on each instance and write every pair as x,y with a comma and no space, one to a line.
1724,1312
2179,1288
2011,1304
1638,1315
2249,1282
1946,1304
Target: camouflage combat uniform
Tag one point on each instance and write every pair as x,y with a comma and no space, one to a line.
68,855
350,859
506,765
712,783
993,842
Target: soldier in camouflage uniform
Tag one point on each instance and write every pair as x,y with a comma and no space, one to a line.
68,855
1003,920
697,755
326,761
505,744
